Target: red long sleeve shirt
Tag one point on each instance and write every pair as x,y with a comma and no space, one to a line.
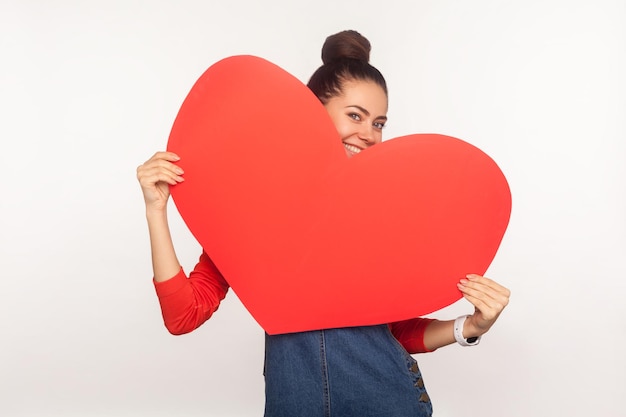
187,302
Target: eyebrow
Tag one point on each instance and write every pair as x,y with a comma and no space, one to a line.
366,112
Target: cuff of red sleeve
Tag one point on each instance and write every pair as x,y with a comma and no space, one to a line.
422,346
170,286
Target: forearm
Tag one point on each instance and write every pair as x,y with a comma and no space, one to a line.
164,261
441,333
438,334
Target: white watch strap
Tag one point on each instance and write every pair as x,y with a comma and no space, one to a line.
458,333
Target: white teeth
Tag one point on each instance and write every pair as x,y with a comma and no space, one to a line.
351,148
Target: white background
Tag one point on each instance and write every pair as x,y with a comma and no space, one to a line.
89,90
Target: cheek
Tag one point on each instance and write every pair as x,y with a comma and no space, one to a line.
344,129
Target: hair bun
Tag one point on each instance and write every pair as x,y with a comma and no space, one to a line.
347,44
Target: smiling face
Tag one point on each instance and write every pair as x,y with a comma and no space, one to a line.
359,114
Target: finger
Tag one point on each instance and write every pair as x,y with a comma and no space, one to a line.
166,155
489,283
485,294
489,307
162,159
484,289
151,176
149,168
487,286
160,163
489,310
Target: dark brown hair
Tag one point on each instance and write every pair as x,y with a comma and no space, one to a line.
345,57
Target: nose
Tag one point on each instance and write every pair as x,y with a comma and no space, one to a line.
367,135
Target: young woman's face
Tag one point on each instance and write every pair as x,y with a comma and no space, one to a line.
359,115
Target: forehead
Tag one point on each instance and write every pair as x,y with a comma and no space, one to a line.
366,94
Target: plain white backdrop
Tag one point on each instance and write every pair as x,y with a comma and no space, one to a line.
89,90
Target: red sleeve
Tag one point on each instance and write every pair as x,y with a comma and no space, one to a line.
186,303
410,334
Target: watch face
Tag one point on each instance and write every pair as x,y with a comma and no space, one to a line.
472,339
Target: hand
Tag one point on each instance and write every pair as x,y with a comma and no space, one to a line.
155,176
489,299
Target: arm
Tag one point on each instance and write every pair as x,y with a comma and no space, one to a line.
488,298
155,177
186,303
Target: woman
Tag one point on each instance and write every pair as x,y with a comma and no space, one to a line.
362,371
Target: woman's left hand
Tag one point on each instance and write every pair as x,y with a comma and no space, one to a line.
489,299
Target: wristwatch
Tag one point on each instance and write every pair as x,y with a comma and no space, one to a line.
458,333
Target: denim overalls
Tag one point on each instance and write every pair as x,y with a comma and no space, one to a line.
359,371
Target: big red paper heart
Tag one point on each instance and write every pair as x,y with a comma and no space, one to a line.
310,239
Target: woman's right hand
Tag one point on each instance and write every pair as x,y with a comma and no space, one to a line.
155,176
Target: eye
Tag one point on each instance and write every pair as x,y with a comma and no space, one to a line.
379,125
355,116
